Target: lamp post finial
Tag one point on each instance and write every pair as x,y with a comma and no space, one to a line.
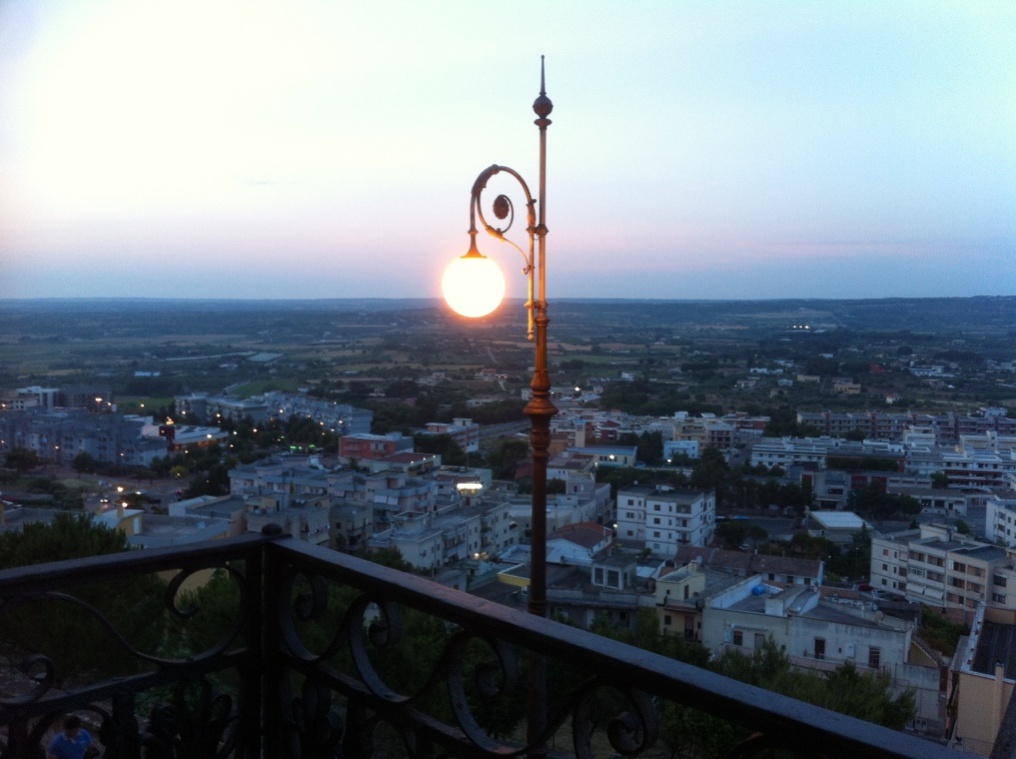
542,105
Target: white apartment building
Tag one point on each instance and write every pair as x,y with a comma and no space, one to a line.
631,512
972,467
672,518
1000,518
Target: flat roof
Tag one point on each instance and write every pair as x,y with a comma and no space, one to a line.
838,520
996,644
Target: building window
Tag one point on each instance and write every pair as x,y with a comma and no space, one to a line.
738,638
999,581
819,648
874,657
998,598
666,620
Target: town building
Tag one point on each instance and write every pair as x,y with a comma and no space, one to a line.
1000,518
836,526
664,518
366,447
936,566
59,435
606,455
822,630
982,680
681,593
788,570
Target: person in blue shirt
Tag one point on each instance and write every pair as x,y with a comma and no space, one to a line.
72,742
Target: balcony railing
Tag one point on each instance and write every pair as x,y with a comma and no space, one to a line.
300,651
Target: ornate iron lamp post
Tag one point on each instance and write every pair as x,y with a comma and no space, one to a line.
474,286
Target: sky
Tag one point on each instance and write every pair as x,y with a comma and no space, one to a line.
327,148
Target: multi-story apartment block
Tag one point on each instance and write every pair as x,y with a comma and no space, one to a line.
815,451
678,517
972,468
59,436
30,397
339,418
662,520
1000,518
287,481
631,513
783,453
935,566
203,407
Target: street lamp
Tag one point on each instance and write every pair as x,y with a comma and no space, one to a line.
474,286
473,298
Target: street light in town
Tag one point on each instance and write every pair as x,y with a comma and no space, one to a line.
473,286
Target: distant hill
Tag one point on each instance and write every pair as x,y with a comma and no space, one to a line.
983,315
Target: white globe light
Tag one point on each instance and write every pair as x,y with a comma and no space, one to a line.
473,285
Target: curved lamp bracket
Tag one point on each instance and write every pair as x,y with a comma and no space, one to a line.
504,211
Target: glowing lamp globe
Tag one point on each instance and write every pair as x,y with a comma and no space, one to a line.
473,285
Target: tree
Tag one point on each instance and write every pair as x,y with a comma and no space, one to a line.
711,472
445,446
508,454
846,690
214,481
84,463
649,446
733,532
69,635
22,459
